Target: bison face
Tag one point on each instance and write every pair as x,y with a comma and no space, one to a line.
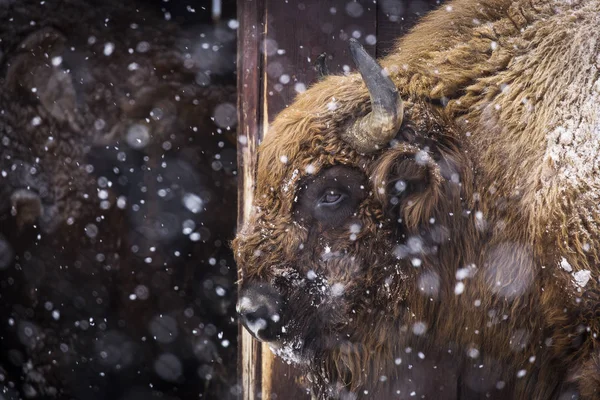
345,234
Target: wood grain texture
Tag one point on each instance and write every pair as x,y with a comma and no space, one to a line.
298,32
250,16
396,17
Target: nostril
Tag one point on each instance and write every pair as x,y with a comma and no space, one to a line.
259,311
255,324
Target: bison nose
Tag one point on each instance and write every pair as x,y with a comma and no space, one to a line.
259,309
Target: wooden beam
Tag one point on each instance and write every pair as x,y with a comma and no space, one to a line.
299,31
250,16
395,18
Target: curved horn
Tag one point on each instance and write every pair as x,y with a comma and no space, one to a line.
374,130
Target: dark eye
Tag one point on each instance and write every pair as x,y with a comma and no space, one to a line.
332,197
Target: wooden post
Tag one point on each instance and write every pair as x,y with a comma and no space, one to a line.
251,29
279,42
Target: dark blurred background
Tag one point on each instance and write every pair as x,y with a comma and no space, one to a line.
117,200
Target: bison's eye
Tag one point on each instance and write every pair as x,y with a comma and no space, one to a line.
331,198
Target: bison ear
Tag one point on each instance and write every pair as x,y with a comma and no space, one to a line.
409,184
321,66
37,71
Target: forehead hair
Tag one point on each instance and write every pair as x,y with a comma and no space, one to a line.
308,130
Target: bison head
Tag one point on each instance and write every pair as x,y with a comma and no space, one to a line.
358,196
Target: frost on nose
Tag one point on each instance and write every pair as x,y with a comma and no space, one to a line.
249,312
259,312
255,325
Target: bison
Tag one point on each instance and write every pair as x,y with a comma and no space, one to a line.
429,226
117,199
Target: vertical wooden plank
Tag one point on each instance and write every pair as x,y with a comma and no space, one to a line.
395,18
250,33
299,31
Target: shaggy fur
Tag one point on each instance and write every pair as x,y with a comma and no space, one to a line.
485,255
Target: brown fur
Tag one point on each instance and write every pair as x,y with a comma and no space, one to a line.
506,73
